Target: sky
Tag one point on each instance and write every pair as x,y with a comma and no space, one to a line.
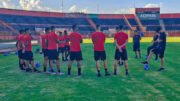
91,6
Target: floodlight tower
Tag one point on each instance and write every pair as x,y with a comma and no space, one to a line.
134,3
62,5
97,8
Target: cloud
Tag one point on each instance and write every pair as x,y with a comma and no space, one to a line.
83,10
73,8
125,11
7,4
35,5
132,11
153,5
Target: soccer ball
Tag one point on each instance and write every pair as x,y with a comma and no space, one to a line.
36,52
38,65
142,33
50,70
146,67
16,53
5,54
9,52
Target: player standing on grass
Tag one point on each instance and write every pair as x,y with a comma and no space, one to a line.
160,49
67,47
120,40
19,48
75,50
120,63
98,39
136,44
27,50
51,41
61,46
155,43
44,48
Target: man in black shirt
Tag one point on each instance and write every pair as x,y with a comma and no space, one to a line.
136,44
155,43
160,49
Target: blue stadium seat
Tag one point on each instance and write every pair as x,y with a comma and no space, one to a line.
21,22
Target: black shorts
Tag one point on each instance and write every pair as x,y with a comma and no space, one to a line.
45,52
76,56
53,55
160,51
61,50
155,50
20,54
136,47
99,55
122,55
28,55
67,48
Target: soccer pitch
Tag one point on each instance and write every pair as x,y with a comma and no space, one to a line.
16,85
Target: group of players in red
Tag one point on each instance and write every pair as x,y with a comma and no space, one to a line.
70,44
24,48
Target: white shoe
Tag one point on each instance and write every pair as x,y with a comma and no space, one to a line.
60,73
53,73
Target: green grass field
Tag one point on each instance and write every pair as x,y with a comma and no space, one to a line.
16,85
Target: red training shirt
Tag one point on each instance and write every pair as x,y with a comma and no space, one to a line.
22,41
19,40
98,40
43,43
61,45
121,38
27,38
75,39
52,41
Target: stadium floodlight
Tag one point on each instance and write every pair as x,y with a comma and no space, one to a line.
62,5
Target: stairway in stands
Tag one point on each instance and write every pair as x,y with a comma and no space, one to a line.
143,29
161,22
128,23
92,23
6,25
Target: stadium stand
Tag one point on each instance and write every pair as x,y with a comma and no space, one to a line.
151,25
14,20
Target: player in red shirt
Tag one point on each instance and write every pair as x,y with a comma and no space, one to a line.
120,40
44,48
98,39
52,40
75,50
27,50
61,46
19,48
67,47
